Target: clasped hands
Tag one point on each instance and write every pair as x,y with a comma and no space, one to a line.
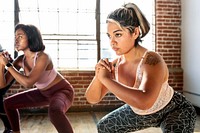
103,69
5,57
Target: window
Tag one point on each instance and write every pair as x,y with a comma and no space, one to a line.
7,25
68,28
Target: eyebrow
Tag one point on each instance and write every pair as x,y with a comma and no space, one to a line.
19,34
115,31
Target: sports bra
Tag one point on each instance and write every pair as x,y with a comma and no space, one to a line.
164,97
47,76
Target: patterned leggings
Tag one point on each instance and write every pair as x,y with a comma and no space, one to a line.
178,116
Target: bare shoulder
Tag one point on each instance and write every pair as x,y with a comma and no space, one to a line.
44,55
152,58
155,65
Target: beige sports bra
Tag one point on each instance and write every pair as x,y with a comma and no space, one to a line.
164,97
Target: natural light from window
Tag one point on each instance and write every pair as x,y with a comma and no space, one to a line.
68,28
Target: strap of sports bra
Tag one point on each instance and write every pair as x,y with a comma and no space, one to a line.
116,69
145,54
138,68
23,62
138,73
36,55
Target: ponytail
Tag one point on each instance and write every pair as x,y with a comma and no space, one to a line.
130,16
143,23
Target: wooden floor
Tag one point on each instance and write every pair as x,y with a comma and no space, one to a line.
82,122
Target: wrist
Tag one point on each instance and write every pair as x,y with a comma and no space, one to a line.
8,65
104,80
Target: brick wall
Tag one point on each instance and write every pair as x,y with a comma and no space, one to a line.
80,81
168,44
168,38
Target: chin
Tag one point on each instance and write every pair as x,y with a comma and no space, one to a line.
118,54
16,49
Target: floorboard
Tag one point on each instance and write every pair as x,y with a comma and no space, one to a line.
82,122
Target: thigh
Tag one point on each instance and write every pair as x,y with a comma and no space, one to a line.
182,119
29,98
60,101
123,120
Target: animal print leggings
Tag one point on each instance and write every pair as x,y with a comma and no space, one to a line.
178,116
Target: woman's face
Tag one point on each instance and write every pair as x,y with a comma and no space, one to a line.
121,40
21,40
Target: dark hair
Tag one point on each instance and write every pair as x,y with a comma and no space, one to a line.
130,16
35,42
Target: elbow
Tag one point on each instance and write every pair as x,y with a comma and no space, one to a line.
141,107
27,84
2,86
144,105
92,100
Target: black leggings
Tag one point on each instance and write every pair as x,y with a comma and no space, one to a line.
178,116
3,115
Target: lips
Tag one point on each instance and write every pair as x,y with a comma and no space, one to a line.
16,45
115,49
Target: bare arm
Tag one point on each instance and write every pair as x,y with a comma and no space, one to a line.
96,90
5,77
2,78
34,74
151,82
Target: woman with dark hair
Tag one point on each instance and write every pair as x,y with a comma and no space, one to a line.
51,88
138,77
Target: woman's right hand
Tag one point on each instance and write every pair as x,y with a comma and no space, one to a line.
8,56
5,57
103,64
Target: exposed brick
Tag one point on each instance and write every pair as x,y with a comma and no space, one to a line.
168,45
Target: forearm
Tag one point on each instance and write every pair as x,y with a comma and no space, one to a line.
95,91
20,78
129,95
2,77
